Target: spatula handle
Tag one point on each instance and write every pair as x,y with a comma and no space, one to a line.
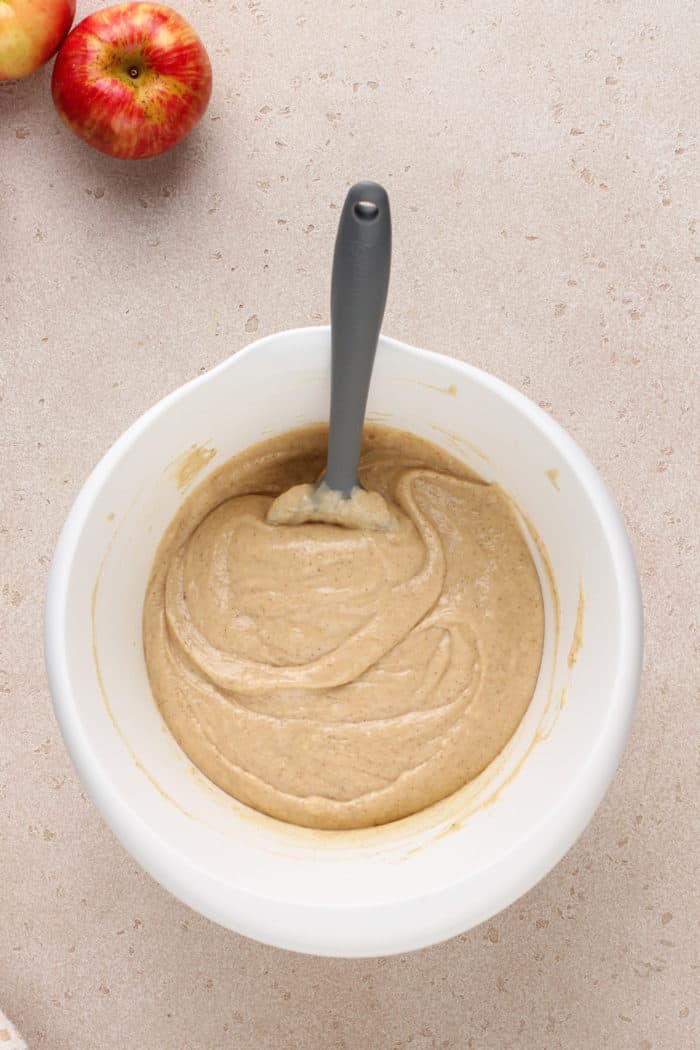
361,265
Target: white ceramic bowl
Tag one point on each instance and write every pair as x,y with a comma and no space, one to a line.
421,879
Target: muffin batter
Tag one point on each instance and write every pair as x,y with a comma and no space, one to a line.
336,677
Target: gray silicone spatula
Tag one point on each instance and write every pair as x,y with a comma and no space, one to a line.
359,285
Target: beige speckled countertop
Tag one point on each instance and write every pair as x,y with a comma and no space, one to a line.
543,173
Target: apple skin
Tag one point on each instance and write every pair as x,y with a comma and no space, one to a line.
30,32
132,80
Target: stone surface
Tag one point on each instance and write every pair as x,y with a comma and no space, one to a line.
542,164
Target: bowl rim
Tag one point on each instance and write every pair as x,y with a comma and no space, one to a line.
411,922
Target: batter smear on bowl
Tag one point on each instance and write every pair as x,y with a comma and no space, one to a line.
340,677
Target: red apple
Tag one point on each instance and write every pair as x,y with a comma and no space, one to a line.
132,80
30,32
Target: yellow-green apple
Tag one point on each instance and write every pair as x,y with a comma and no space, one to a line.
132,80
30,32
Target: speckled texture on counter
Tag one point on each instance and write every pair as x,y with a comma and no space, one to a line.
542,166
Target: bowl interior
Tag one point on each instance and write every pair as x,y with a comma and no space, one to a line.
455,864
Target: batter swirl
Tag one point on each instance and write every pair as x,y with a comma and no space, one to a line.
342,678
